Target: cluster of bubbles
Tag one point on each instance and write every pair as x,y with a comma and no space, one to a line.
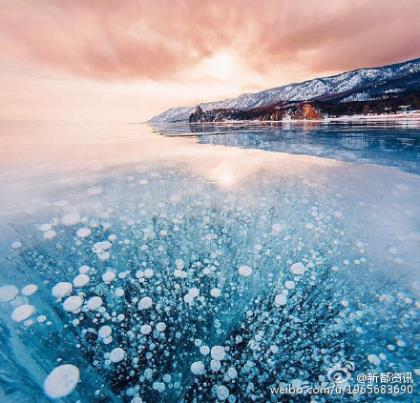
157,286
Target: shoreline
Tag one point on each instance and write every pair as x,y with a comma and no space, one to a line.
400,118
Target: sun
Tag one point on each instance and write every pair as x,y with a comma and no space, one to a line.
219,65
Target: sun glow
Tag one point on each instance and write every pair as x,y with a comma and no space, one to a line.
219,65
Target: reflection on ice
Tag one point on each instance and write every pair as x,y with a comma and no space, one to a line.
217,276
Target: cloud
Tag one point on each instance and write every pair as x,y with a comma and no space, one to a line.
162,39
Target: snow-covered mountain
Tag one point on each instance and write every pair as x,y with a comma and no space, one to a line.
351,85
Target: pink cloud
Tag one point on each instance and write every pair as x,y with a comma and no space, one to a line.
161,39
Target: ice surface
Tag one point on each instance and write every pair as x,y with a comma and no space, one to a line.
201,278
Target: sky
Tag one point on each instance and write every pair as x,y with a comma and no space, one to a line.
125,61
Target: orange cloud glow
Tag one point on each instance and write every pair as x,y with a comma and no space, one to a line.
144,56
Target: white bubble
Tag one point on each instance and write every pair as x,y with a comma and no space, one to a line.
83,232
145,329
29,290
194,292
180,273
205,350
276,228
222,392
145,303
245,271
62,289
73,304
70,219
197,368
148,273
179,263
95,190
45,227
119,292
218,353
117,355
100,247
108,277
61,381
8,293
94,303
290,284
104,331
280,300
160,327
215,365
16,245
81,280
51,234
232,372
215,292
374,359
22,312
297,268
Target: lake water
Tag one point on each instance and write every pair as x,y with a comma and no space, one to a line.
209,263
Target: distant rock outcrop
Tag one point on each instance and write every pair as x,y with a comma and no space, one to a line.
197,115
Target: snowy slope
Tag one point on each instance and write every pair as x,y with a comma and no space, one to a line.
320,87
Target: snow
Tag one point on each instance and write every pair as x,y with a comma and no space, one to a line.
145,303
302,91
218,353
197,368
61,381
73,304
245,271
62,289
22,312
29,290
117,355
8,293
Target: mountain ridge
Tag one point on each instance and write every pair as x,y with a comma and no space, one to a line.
349,82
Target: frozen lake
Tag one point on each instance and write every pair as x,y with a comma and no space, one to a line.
169,264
